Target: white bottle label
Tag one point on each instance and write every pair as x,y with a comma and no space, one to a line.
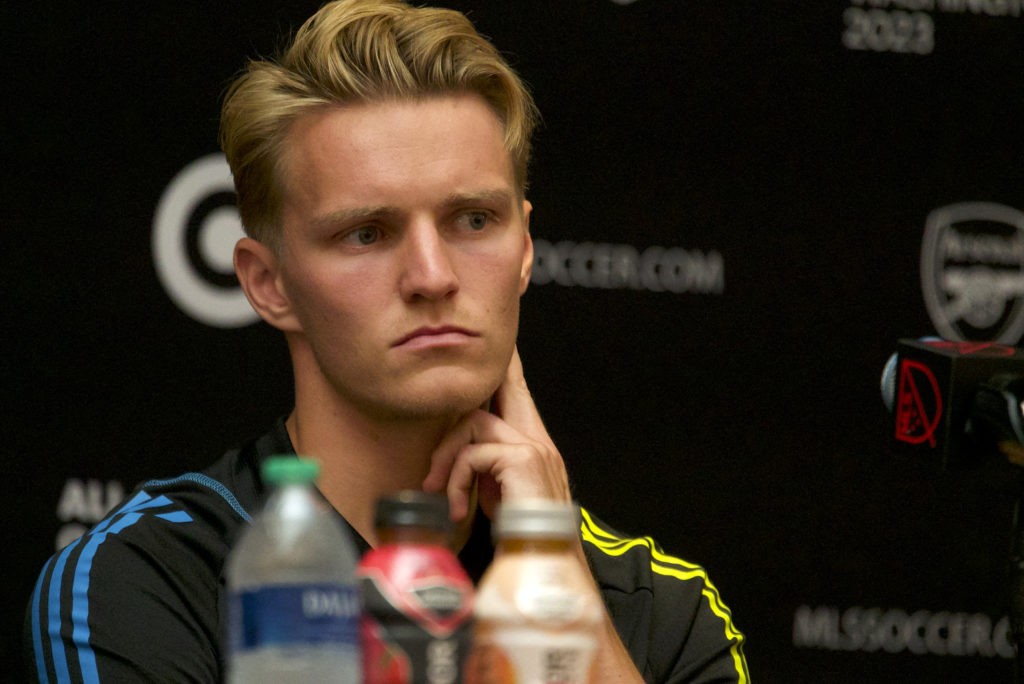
552,604
546,658
538,620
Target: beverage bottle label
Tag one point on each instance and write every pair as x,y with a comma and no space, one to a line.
417,604
516,655
295,614
536,623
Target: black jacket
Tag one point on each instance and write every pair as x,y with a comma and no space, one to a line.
141,596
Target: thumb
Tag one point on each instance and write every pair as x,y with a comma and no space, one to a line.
514,404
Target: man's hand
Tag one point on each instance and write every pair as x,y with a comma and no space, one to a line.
507,453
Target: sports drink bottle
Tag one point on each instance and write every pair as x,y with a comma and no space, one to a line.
417,599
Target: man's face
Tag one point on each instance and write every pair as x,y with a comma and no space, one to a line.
405,251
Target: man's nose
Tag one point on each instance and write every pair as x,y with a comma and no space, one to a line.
427,270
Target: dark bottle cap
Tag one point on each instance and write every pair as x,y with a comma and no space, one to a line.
411,508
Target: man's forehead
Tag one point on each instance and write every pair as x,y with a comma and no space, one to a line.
393,113
356,143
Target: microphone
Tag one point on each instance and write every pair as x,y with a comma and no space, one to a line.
955,400
961,401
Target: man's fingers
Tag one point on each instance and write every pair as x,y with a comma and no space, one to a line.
472,428
484,450
506,454
520,471
477,427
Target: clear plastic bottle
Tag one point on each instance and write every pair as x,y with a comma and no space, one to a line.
417,598
293,601
538,612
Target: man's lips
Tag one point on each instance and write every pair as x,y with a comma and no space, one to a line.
429,336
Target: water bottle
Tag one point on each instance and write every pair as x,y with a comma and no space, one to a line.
293,601
538,612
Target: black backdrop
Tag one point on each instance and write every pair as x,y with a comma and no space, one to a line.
730,208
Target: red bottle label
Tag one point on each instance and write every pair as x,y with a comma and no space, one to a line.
415,626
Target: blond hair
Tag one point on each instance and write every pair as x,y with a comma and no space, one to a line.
360,51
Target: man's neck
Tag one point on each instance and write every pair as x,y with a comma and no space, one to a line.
362,459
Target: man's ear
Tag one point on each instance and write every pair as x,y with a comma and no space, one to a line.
527,267
259,275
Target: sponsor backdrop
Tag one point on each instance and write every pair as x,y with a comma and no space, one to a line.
740,207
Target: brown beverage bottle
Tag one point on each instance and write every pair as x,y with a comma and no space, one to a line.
537,610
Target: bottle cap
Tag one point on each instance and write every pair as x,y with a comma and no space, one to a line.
289,469
537,518
411,508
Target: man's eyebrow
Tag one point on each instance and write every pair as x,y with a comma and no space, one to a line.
354,215
385,212
496,196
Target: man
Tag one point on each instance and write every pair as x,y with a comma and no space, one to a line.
381,175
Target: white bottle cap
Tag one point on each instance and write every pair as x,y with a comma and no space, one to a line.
536,519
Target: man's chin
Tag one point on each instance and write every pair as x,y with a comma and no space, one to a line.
448,407
449,400
438,394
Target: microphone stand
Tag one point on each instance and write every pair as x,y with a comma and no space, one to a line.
1013,450
1017,590
997,422
997,419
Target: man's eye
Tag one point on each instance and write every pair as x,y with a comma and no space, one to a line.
366,235
475,220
